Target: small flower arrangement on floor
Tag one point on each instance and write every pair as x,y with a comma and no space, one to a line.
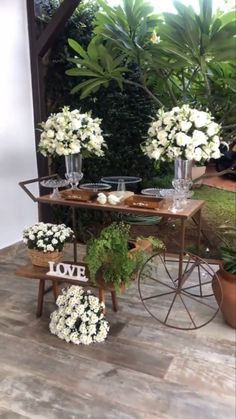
183,132
71,132
47,237
79,317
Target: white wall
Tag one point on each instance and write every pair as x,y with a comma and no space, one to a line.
17,146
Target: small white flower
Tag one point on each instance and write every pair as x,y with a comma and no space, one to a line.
49,248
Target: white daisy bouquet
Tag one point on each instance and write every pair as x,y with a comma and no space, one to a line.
79,317
183,132
70,132
47,237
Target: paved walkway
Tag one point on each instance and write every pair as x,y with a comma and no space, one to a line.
219,182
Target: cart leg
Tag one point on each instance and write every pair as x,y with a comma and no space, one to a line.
74,229
181,254
114,301
198,219
102,298
40,297
56,289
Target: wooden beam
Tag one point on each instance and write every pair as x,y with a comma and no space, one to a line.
38,48
55,25
37,79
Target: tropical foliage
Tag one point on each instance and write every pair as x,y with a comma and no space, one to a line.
125,114
175,58
228,251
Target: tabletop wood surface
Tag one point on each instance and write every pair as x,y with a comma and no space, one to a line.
193,206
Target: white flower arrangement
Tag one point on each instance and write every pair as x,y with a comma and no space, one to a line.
183,132
70,132
47,237
79,317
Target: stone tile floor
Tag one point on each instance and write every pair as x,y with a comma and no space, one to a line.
144,369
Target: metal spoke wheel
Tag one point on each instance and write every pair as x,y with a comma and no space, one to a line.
185,302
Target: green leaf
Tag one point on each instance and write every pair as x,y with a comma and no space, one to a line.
81,72
72,72
231,83
77,48
227,17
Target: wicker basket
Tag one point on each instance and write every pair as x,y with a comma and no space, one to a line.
39,258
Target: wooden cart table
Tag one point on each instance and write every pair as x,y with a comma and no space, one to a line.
192,210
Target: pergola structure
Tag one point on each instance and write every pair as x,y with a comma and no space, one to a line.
39,48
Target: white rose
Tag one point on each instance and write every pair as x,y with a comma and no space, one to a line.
200,119
175,109
48,123
182,139
76,124
212,129
207,150
199,138
216,140
198,154
167,120
50,133
162,135
75,147
157,124
216,154
156,154
60,136
152,131
189,154
185,125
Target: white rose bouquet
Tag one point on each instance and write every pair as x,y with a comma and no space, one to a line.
79,317
47,237
70,132
183,132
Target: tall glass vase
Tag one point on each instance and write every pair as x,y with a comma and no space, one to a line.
183,169
74,169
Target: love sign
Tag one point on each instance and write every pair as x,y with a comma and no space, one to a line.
67,271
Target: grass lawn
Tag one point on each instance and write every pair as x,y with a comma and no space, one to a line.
220,207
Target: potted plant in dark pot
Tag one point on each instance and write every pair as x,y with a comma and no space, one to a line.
114,259
224,287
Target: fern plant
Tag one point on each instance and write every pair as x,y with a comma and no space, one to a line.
109,255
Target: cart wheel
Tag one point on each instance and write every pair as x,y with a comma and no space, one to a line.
187,304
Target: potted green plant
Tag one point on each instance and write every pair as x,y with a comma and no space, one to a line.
225,287
113,259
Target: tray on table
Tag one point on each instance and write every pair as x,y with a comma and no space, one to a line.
140,201
78,195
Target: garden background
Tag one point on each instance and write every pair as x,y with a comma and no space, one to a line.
125,65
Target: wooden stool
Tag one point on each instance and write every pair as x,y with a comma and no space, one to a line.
37,273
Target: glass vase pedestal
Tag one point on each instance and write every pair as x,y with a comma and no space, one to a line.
183,169
74,169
